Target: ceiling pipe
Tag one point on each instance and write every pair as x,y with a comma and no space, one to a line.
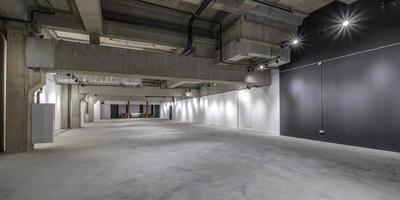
189,46
197,17
289,10
32,14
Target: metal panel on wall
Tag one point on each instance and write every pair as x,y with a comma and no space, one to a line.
300,106
361,99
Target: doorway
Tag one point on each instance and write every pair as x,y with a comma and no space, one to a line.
114,111
170,112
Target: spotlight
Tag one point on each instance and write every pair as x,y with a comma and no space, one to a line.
295,42
345,23
277,61
261,66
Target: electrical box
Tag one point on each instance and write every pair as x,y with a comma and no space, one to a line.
43,116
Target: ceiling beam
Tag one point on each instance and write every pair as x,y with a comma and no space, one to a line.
91,14
70,56
141,33
131,92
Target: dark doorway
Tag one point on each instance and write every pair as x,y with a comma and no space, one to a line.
114,111
170,112
157,111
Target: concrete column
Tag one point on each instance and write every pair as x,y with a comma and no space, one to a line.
2,90
75,107
64,106
21,83
17,138
147,109
91,109
128,110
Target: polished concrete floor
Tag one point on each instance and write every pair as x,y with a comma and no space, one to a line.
156,159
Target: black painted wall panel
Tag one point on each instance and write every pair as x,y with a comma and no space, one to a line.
300,92
361,95
361,98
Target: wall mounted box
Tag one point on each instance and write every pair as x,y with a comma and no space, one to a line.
43,123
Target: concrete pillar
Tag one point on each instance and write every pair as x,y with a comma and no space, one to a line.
91,109
65,106
128,110
21,83
17,138
2,90
147,109
75,107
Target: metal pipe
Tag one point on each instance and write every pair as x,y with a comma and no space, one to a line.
189,46
273,6
196,17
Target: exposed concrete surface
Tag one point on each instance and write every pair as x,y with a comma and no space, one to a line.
156,159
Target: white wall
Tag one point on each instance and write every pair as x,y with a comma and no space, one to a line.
96,110
105,111
51,93
255,109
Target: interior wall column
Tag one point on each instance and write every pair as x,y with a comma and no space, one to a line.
64,106
91,109
21,84
17,138
2,90
75,107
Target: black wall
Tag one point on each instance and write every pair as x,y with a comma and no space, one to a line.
355,99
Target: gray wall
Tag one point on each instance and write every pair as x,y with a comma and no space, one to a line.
354,99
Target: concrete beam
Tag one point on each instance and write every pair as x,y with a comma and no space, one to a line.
15,9
69,56
176,83
137,92
60,21
244,29
242,49
91,14
134,98
152,35
71,23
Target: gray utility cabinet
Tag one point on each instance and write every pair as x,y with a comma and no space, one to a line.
43,123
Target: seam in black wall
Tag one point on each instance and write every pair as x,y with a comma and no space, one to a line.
340,57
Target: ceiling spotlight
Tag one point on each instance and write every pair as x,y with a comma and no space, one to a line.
295,42
261,66
345,23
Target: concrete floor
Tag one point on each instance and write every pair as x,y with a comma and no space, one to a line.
156,159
